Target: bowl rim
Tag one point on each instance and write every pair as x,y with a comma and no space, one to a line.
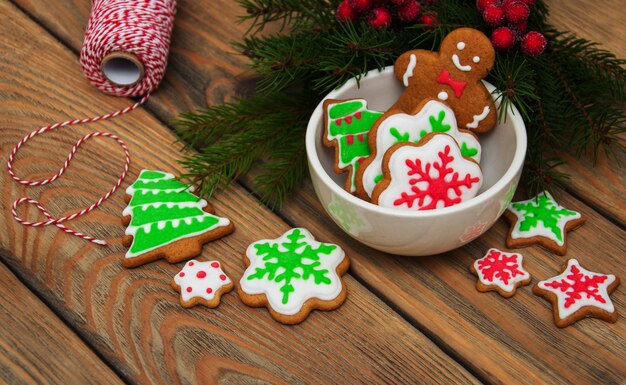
312,132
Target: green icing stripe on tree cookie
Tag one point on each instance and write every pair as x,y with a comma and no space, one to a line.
163,211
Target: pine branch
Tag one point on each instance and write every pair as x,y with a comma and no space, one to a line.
294,15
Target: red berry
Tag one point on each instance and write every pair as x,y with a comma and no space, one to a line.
410,11
533,44
516,12
429,19
360,6
345,12
493,15
503,39
528,2
400,3
379,18
482,4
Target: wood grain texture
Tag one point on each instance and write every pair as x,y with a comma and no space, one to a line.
36,347
132,317
203,67
503,340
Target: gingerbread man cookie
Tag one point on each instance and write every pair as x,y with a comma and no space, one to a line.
452,75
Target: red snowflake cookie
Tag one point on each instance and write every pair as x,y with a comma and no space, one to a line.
577,293
201,283
425,176
500,271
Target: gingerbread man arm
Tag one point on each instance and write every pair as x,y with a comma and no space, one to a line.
406,64
484,119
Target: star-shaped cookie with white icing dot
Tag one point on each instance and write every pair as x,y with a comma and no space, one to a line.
201,283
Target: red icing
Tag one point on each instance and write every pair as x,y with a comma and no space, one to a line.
201,274
357,115
209,290
181,274
222,277
361,159
189,289
457,86
215,265
338,122
437,186
348,119
499,265
360,136
350,139
191,263
583,284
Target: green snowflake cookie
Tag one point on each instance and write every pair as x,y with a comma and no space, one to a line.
163,210
541,220
291,270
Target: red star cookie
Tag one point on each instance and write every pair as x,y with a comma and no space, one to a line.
501,272
577,293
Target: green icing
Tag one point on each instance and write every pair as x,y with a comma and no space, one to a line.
284,267
355,126
467,151
378,178
404,137
153,223
345,108
352,152
145,241
437,124
545,210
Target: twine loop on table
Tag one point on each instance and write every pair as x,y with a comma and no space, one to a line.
141,29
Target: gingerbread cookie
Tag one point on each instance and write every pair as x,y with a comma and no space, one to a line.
201,283
452,75
430,116
501,272
578,293
425,176
293,275
346,127
165,220
541,221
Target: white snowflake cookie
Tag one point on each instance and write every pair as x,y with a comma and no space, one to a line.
429,175
292,275
201,283
500,271
578,293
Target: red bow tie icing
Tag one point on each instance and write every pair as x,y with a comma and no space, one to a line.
457,86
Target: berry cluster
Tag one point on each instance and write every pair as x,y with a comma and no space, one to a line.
381,13
509,18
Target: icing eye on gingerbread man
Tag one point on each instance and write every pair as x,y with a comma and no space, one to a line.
454,76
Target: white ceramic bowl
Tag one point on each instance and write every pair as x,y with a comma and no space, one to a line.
416,233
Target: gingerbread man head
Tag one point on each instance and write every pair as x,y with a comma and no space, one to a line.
453,75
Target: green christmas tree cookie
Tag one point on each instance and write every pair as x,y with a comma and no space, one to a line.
293,275
347,124
541,221
166,220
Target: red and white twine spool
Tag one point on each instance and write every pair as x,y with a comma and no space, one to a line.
124,54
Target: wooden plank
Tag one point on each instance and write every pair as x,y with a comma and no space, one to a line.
516,338
37,347
202,68
132,316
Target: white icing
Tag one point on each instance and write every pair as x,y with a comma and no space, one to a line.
564,312
443,95
303,290
478,118
457,64
200,204
540,230
476,59
409,70
191,278
460,46
496,281
413,125
428,153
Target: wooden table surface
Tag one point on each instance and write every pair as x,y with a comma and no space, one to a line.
71,314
